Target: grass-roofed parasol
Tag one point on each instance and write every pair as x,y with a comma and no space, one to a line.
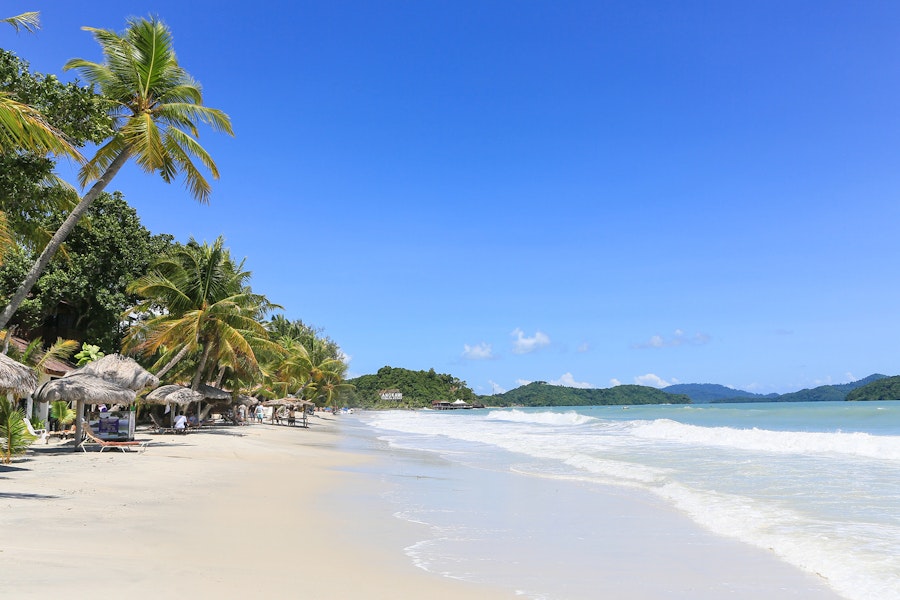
16,378
121,370
83,387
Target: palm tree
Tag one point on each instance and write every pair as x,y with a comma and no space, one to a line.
29,21
21,126
155,105
204,308
309,365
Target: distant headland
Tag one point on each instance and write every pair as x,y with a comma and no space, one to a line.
393,387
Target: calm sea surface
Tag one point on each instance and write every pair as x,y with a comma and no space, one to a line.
818,484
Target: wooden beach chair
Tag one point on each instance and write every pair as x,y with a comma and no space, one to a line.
91,438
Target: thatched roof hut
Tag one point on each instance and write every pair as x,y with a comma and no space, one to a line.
173,394
121,370
83,387
15,377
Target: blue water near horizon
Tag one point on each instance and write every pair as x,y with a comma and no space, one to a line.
818,484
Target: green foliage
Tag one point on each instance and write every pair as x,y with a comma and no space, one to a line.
88,353
419,389
76,111
209,309
887,388
60,411
14,436
540,393
106,252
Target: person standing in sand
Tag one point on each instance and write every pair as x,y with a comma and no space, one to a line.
260,413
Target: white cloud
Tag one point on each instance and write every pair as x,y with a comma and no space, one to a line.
568,380
679,338
614,382
653,381
584,347
496,389
524,345
521,382
480,351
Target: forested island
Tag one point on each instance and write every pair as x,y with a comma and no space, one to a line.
701,393
885,388
394,387
541,393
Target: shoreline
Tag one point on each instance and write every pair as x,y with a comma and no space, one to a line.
268,509
220,513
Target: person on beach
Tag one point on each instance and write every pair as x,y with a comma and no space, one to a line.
180,423
260,413
242,414
292,416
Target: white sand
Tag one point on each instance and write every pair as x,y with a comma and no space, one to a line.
252,511
229,513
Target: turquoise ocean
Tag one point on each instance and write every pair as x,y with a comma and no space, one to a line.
817,484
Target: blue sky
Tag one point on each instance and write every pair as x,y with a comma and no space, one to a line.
575,192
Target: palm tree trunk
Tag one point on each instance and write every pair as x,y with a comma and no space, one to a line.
195,384
173,362
60,236
221,376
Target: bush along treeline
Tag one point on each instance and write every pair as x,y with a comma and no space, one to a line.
418,388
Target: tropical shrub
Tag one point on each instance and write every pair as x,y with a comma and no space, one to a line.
14,436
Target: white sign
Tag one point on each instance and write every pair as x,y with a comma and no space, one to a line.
392,395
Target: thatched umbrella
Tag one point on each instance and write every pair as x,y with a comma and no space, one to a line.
173,394
15,377
81,387
120,370
245,400
280,402
213,393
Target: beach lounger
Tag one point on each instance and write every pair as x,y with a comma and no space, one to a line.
91,438
62,434
161,428
41,434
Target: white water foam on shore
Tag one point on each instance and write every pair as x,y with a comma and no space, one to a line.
842,539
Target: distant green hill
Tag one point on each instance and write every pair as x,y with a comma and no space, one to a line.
418,388
887,388
540,393
826,393
711,392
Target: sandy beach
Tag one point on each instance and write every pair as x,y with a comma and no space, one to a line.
285,513
223,513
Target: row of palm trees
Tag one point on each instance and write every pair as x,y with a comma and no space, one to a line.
199,321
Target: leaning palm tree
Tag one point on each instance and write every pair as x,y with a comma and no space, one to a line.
155,106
